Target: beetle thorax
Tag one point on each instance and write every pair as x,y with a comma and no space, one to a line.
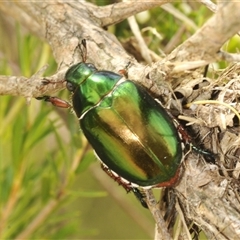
78,73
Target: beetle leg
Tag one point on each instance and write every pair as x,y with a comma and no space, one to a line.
209,156
117,179
55,101
138,194
83,50
185,137
124,71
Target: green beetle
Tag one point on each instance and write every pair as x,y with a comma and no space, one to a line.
131,133
137,141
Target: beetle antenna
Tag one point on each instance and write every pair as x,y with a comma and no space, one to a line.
83,49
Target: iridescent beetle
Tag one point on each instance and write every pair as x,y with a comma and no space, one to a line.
136,140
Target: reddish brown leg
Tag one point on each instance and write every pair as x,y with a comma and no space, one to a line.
138,194
55,101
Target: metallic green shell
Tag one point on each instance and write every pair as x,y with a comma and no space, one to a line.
131,133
